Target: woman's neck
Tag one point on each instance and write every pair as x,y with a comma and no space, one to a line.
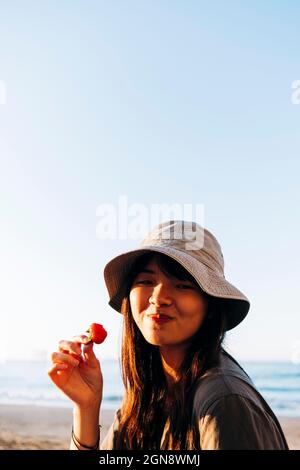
171,361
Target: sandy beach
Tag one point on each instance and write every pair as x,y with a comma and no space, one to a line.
32,427
37,427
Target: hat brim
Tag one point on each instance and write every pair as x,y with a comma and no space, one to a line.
117,269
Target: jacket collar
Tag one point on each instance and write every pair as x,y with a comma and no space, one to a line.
229,366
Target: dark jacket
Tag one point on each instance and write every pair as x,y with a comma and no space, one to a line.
229,412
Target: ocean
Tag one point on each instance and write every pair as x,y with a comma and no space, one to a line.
27,382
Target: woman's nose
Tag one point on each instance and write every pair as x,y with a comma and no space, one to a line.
160,295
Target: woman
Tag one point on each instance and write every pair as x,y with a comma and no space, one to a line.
182,389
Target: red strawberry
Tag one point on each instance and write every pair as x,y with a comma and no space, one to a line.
97,333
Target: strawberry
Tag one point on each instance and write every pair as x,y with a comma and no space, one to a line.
97,333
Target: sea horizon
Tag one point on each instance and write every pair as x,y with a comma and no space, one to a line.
25,382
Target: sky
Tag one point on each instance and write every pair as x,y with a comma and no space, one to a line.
152,102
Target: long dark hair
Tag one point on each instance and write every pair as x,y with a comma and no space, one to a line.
140,418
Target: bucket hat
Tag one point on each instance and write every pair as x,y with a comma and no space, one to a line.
197,250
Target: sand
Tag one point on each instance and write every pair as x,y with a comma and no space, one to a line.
35,427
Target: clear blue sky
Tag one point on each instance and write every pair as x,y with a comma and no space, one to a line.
161,101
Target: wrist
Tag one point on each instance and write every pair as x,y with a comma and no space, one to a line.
90,409
86,424
80,446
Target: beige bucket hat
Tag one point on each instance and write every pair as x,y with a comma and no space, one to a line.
193,247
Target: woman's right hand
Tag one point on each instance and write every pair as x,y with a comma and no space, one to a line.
79,379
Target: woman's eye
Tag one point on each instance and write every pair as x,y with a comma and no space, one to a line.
142,282
185,286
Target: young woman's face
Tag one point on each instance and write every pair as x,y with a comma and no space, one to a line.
154,292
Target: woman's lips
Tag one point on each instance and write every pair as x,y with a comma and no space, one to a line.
160,318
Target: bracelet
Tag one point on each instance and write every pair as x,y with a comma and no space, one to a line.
77,443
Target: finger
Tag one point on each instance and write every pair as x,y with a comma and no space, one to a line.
76,356
55,368
69,346
80,339
89,354
58,357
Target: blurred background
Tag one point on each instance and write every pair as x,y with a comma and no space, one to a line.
153,103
